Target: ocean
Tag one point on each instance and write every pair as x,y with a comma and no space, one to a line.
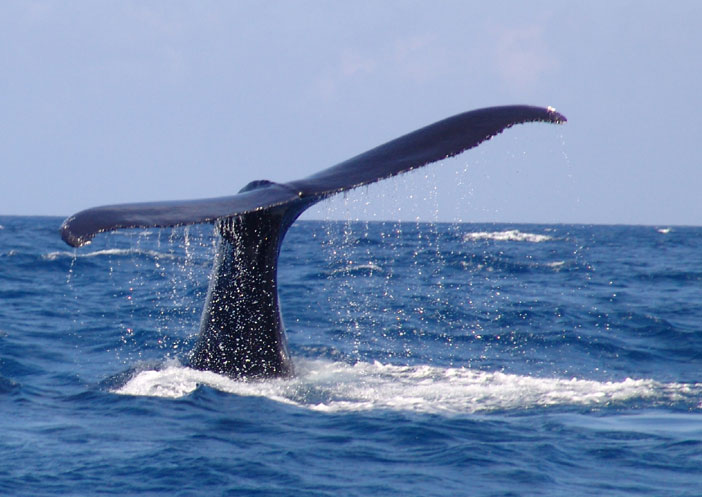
431,359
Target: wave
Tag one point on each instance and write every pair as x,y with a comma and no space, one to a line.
339,387
506,236
51,256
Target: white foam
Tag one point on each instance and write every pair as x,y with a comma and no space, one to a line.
340,387
506,236
664,231
111,252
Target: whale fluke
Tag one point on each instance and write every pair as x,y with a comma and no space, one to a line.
241,331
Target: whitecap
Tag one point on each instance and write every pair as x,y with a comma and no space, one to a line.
664,231
109,252
340,387
506,236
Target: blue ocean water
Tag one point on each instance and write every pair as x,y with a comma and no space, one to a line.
432,359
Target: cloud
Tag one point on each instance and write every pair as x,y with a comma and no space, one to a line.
353,63
522,56
414,59
418,57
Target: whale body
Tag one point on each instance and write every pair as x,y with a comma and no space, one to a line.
241,329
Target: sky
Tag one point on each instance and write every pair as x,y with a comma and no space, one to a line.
124,101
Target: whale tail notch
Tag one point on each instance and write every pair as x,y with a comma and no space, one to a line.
241,330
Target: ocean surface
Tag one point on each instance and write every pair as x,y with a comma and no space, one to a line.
431,359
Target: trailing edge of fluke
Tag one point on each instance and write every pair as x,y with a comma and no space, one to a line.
241,331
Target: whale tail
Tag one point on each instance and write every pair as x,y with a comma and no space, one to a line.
241,330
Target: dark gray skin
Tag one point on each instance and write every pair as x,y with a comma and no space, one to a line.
241,332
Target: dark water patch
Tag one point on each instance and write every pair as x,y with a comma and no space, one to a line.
671,276
8,386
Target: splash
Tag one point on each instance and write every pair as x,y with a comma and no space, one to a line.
339,387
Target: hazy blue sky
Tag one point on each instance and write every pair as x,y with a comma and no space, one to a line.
121,101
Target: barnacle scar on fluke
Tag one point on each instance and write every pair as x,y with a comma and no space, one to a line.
241,331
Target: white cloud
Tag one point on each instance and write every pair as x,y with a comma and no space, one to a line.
414,59
522,56
418,57
353,63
